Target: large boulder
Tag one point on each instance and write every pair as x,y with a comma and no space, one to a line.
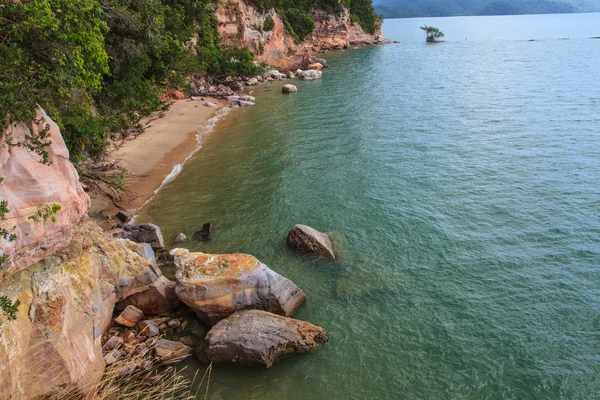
289,89
143,233
309,240
258,338
217,285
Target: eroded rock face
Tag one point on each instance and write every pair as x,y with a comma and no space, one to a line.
28,184
309,240
67,304
258,338
217,285
240,22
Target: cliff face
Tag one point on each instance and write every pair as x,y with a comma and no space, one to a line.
68,276
240,25
30,185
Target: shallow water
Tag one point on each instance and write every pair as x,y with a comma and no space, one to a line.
460,184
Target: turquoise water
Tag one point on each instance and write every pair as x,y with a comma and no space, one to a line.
460,182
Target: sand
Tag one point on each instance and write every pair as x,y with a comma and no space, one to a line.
151,156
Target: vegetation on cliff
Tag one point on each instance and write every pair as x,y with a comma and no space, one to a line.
97,66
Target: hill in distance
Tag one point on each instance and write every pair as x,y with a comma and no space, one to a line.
447,8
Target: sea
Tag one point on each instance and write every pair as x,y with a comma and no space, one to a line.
460,183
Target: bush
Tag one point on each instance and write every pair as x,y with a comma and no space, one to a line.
301,23
269,24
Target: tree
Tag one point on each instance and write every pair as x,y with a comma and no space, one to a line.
433,34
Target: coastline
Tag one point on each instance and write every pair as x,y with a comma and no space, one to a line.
152,157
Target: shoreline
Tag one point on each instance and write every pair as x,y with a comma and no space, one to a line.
152,157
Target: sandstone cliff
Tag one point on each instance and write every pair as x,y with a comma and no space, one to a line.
68,275
240,25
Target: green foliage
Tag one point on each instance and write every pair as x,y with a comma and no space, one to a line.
44,212
9,308
51,51
3,208
433,34
362,12
269,24
300,23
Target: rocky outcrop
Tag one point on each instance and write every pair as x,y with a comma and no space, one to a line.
241,25
309,240
68,275
143,233
30,186
258,338
217,285
67,304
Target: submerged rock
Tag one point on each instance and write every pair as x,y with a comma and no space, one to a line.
204,234
171,352
307,239
217,285
310,75
258,338
289,89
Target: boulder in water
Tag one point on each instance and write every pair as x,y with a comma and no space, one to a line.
217,285
204,234
258,338
310,75
309,240
289,89
143,233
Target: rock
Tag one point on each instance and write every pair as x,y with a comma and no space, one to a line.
28,183
162,327
154,298
289,89
310,240
310,75
234,106
123,217
112,356
252,82
170,351
243,103
190,341
233,98
129,317
148,328
128,336
291,75
180,238
216,285
209,104
258,338
174,94
204,234
247,98
114,342
322,61
143,233
315,66
236,86
145,251
174,323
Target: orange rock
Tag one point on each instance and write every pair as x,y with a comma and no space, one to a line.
216,285
315,66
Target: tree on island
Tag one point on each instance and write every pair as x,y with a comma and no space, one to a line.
433,34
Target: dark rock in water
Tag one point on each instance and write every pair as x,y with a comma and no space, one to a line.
217,285
204,234
142,233
310,240
123,217
258,338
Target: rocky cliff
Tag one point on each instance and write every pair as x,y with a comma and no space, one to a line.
68,275
241,25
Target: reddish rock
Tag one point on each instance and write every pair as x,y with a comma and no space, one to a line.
310,240
129,317
216,285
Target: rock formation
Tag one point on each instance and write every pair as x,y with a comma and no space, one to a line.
310,240
68,275
289,89
28,185
240,24
217,285
258,338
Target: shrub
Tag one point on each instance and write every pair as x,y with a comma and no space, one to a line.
269,24
301,23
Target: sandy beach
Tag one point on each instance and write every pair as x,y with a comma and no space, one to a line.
150,157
